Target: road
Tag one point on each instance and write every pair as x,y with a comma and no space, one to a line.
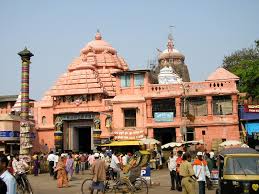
44,184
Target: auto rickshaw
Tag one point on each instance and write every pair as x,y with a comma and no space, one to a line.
238,171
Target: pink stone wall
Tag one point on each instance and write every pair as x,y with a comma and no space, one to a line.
42,138
228,132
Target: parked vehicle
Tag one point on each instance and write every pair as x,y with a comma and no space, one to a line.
238,171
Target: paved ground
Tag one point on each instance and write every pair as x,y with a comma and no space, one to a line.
43,184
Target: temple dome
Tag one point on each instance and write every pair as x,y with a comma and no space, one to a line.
98,45
166,54
92,71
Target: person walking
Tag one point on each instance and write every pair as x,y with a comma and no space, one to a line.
6,176
36,165
178,163
172,169
187,173
70,166
51,159
61,173
83,160
98,170
201,171
210,165
115,165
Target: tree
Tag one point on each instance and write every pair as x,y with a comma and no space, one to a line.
245,64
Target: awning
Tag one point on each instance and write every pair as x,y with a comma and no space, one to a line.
123,143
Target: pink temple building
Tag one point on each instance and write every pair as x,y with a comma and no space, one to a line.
99,93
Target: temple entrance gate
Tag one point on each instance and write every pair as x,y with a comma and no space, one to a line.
82,139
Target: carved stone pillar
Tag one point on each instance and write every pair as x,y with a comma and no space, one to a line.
149,108
178,107
58,134
209,105
234,104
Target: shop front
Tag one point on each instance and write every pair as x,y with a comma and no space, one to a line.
9,141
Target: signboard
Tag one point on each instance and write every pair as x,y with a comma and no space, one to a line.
9,134
214,176
12,135
164,116
146,173
128,134
79,116
251,108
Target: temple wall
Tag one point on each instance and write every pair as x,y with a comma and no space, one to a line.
214,133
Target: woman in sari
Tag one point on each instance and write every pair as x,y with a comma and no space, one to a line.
61,173
36,165
70,166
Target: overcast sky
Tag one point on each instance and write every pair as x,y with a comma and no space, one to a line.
55,31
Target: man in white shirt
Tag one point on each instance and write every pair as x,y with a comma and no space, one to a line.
201,170
125,159
172,169
51,159
6,176
115,165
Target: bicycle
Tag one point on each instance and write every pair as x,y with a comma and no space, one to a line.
110,185
23,184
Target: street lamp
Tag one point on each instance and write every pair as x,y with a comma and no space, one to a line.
25,143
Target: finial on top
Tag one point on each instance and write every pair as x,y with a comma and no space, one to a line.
98,35
170,44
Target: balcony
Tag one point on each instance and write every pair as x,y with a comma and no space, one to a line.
193,88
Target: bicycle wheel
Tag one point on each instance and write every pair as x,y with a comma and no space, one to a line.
20,189
108,186
140,186
123,187
86,186
28,188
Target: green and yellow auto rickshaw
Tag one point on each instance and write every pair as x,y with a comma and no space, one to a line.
238,171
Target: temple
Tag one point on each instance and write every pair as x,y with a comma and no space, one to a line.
99,98
171,57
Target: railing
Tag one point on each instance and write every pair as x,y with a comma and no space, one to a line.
158,88
192,88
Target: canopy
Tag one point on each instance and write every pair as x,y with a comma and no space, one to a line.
123,143
230,143
179,144
194,142
172,145
149,141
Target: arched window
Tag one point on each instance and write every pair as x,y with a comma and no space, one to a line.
43,120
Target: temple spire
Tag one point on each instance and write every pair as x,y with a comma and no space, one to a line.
170,44
98,35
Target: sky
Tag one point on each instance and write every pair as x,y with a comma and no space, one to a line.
55,32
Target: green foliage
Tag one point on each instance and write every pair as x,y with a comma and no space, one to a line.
245,64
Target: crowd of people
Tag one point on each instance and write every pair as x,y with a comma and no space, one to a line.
186,169
63,166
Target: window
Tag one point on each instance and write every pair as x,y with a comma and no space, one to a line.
138,80
125,80
130,117
163,105
222,105
190,134
43,120
196,106
247,165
